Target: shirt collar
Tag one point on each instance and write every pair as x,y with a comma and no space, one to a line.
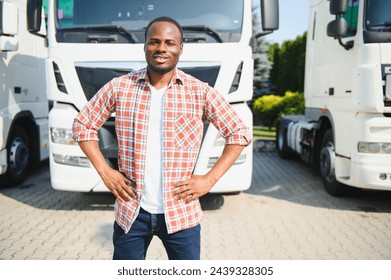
177,78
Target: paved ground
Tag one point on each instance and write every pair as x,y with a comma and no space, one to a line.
285,214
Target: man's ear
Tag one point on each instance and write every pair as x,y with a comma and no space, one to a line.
181,49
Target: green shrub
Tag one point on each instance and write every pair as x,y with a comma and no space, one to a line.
269,107
292,104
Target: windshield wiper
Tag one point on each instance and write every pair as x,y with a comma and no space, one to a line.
387,23
115,28
203,28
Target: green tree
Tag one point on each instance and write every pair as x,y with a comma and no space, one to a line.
274,56
287,72
262,63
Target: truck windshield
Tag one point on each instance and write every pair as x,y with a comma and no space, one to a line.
378,16
124,21
377,22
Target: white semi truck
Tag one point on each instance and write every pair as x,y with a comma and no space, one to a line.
92,41
24,137
346,130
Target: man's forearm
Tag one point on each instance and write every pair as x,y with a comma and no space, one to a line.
197,185
226,160
120,186
93,153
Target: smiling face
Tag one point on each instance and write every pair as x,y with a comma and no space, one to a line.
162,48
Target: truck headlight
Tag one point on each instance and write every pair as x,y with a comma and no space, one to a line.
62,136
71,160
374,148
240,160
386,148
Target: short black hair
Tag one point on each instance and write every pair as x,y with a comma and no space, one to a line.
166,19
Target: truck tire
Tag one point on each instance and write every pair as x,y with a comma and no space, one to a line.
282,142
18,155
327,166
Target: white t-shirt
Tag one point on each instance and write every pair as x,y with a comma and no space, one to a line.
152,200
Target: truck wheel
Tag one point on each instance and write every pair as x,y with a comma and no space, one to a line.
327,166
18,156
282,142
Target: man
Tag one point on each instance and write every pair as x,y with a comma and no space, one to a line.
159,124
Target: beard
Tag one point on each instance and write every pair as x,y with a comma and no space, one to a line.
160,70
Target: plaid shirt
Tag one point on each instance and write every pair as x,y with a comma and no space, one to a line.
187,103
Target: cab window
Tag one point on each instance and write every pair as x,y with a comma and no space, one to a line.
351,17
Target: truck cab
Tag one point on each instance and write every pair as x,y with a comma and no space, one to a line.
91,42
24,132
345,132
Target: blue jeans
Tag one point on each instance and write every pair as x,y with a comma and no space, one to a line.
182,245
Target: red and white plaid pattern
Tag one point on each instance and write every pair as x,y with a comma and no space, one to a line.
187,103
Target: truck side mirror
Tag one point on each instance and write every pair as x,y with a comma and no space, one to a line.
269,12
8,26
338,7
337,28
34,16
270,19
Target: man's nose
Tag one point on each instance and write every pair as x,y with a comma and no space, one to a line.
162,47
